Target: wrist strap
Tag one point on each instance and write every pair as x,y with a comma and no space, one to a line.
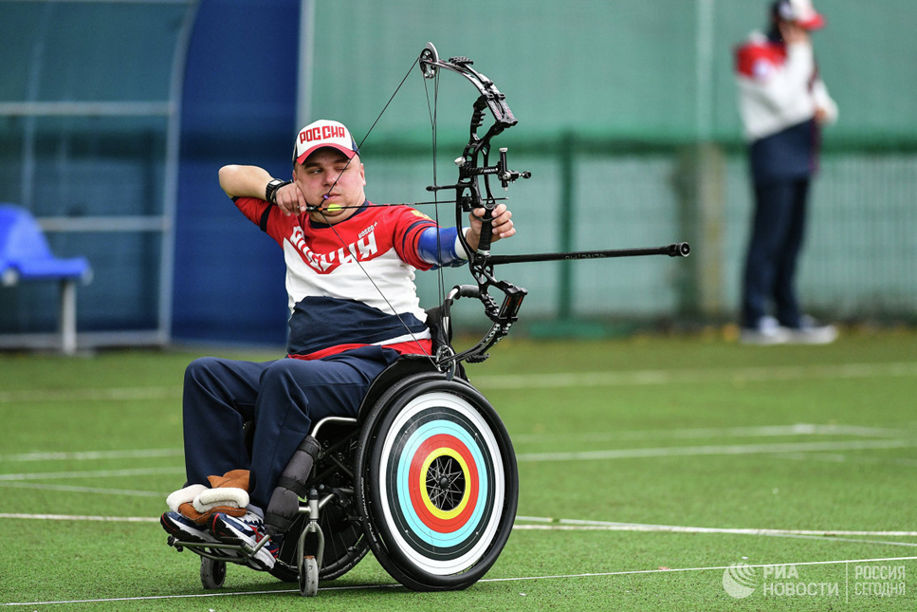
270,191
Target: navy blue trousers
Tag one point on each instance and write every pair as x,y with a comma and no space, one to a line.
777,232
283,398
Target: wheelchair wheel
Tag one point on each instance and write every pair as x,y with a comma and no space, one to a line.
308,577
213,573
437,483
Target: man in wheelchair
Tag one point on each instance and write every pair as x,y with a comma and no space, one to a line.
353,311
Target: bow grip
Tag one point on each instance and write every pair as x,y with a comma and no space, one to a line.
486,230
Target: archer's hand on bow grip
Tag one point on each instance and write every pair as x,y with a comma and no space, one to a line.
487,230
491,226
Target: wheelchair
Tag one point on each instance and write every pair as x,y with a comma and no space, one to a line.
425,477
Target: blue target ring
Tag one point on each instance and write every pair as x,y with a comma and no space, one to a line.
438,539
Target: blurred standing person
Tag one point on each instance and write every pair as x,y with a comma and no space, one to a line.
783,103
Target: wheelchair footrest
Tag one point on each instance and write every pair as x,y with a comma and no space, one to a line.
228,553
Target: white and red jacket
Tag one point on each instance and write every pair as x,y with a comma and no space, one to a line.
372,254
779,86
779,93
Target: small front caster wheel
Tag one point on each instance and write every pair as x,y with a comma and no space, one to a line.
213,573
308,576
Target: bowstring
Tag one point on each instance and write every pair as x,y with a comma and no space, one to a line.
434,124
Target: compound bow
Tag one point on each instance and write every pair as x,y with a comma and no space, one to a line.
474,173
472,191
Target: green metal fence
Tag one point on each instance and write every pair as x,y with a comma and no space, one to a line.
628,121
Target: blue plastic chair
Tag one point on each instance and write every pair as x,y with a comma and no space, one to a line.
26,256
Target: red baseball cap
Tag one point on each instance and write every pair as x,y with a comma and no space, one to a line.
802,12
320,134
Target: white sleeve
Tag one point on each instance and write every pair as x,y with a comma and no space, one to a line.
775,97
824,101
781,88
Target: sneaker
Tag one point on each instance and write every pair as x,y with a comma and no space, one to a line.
248,531
766,332
185,530
812,332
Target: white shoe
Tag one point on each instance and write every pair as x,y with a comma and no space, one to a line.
185,530
765,333
248,531
811,332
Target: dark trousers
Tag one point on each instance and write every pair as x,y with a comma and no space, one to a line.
283,398
776,239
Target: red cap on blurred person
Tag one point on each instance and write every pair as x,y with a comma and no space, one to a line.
800,11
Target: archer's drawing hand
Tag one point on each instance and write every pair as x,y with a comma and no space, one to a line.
502,224
290,199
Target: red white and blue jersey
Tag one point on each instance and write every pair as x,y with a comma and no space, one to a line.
371,255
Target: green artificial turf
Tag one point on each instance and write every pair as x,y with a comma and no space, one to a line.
636,458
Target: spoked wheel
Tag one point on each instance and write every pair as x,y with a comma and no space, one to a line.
213,573
308,576
437,481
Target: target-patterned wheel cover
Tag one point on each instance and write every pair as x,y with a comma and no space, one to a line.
442,483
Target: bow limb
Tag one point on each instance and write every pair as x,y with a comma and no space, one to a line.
472,191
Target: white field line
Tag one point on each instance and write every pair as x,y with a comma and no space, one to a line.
760,431
761,533
527,381
75,489
838,536
359,587
792,448
628,453
847,540
706,375
118,394
731,449
145,453
80,517
92,473
542,521
839,458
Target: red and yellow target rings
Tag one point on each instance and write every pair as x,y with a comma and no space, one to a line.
438,519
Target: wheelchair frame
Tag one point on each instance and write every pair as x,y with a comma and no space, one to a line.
362,505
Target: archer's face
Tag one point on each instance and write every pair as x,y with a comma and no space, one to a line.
327,173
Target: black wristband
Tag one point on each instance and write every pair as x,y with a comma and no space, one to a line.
270,191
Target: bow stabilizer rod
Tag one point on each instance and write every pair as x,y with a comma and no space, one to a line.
676,249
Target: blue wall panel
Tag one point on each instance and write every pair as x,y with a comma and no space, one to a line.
239,106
